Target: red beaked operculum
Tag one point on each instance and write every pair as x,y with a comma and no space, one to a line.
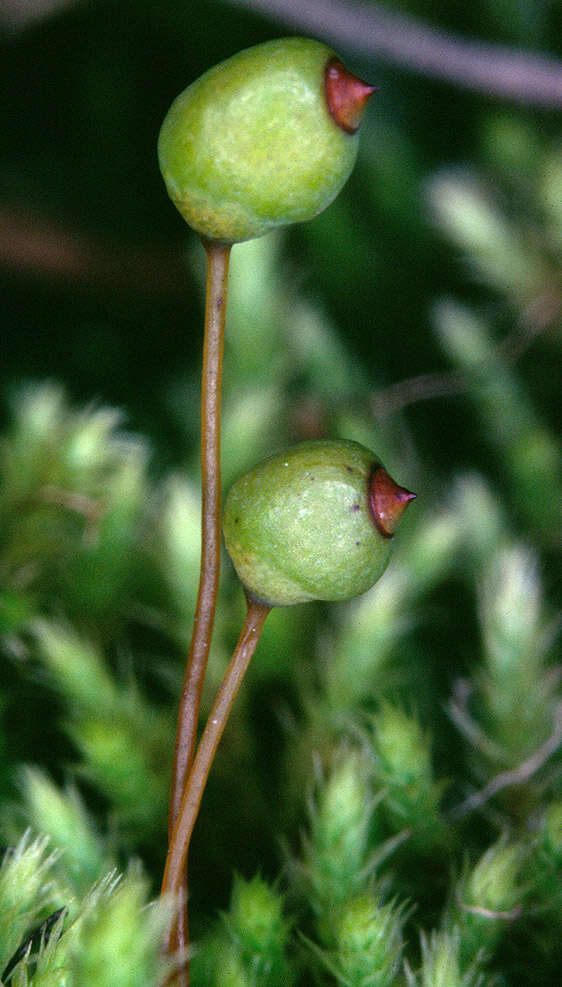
346,95
388,501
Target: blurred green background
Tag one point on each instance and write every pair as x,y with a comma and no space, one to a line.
420,315
113,315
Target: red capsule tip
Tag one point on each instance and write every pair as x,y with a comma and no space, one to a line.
346,94
388,501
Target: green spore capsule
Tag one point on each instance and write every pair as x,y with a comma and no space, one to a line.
262,140
313,523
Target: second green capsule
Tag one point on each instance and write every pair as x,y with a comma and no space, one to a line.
313,523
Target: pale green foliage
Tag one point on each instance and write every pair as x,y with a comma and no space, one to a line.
71,492
368,943
25,891
120,940
47,961
517,696
441,963
98,575
403,770
552,831
508,255
176,550
372,626
488,897
255,918
336,851
109,936
513,628
361,935
74,498
250,950
474,220
530,452
122,740
545,865
82,854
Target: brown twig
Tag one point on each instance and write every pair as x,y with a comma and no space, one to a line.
389,400
496,70
91,509
517,776
457,708
509,916
33,246
538,317
17,14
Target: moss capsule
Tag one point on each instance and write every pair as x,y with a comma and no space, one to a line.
313,523
264,139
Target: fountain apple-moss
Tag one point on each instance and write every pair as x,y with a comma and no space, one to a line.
313,523
262,140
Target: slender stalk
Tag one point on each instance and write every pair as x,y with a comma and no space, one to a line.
179,844
218,256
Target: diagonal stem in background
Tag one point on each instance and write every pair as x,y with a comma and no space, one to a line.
517,776
369,29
